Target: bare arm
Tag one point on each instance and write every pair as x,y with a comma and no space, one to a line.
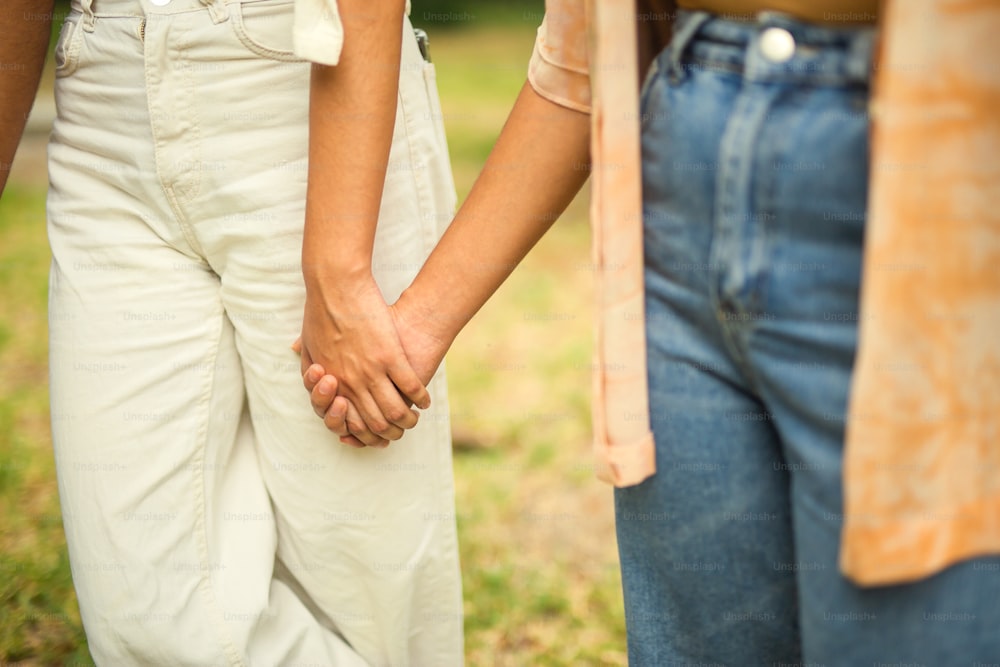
347,326
539,163
25,26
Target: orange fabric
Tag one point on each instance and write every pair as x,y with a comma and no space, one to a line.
922,467
623,441
558,69
922,460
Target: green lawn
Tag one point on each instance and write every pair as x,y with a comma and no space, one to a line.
537,535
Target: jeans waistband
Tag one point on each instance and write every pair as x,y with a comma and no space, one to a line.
91,10
815,54
124,8
119,8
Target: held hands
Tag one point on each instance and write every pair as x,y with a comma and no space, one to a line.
366,370
348,331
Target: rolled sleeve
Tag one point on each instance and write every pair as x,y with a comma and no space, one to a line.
558,70
318,33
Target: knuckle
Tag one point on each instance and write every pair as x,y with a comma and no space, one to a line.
397,415
410,385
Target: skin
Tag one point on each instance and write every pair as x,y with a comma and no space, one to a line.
347,326
530,177
25,26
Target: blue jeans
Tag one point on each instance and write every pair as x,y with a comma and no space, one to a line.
755,175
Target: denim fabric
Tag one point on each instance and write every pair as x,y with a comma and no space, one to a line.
755,178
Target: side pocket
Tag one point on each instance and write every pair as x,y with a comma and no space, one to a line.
265,28
67,51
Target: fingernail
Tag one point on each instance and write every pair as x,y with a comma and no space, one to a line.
325,387
312,374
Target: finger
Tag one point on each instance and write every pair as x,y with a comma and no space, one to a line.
374,416
336,417
351,441
312,375
394,409
357,427
323,393
409,385
297,345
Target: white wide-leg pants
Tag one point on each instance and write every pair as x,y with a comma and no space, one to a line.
211,518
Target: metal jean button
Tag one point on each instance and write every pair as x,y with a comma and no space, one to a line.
777,44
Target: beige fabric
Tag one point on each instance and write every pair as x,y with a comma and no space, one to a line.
922,466
211,519
318,33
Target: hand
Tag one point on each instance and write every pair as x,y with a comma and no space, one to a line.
423,350
348,329
341,411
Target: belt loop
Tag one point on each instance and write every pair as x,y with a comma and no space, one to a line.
682,38
88,15
861,55
217,9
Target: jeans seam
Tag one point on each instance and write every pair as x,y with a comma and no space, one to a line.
419,170
214,612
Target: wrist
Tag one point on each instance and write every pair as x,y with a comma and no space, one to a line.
427,316
323,270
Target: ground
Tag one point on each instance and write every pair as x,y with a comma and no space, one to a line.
536,529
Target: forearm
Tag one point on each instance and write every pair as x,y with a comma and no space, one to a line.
25,26
539,163
351,118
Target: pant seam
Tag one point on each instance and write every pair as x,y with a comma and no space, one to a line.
200,529
418,168
168,189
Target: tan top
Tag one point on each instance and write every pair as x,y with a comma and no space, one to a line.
816,11
922,459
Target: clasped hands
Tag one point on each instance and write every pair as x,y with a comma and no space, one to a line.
365,363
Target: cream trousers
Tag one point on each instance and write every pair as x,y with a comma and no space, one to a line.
211,519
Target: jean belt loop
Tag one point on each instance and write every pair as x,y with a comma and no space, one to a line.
217,9
860,62
682,38
88,15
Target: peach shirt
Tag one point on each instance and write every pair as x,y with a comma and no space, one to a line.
922,457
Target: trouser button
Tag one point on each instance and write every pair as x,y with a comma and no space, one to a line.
777,44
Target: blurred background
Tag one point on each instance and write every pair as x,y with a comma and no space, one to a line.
536,529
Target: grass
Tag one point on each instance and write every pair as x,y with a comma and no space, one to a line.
536,530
